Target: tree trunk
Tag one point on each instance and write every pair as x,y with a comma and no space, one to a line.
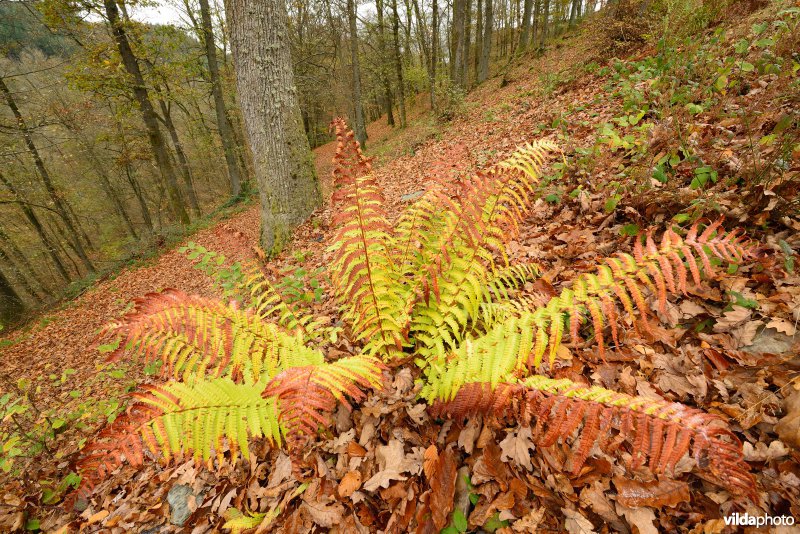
284,167
545,20
387,89
11,306
434,50
183,162
34,221
524,35
535,32
18,257
398,64
55,197
457,61
223,126
358,108
149,118
488,23
573,13
478,40
467,41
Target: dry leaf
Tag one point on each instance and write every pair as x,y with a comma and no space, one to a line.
731,319
392,462
640,519
443,488
576,523
517,446
783,326
656,493
529,522
762,453
350,483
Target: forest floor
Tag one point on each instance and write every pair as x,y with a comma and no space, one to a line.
730,349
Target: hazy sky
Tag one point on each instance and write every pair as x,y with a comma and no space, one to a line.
160,14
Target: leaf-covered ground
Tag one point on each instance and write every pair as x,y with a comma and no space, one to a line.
711,146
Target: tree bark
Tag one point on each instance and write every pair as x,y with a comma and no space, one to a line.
34,221
60,206
545,20
434,50
457,55
467,42
142,96
398,64
11,305
488,23
183,161
387,89
478,40
524,35
284,167
358,108
223,125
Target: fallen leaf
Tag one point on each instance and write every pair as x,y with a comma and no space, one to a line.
575,523
656,493
443,488
640,519
350,483
784,326
517,446
391,463
99,516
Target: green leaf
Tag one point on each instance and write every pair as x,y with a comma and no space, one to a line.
741,46
33,524
449,530
494,523
474,498
758,29
459,521
58,423
611,203
109,347
117,373
630,230
746,67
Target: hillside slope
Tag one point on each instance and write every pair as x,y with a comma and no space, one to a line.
638,152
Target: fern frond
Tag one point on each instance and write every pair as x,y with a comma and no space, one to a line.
459,243
658,433
195,336
181,418
270,304
366,282
308,395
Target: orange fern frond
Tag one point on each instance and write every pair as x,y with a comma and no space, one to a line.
658,432
366,282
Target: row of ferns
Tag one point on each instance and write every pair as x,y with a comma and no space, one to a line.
436,290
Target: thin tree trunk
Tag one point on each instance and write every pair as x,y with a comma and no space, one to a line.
358,109
142,96
467,41
183,162
34,221
488,23
11,305
434,50
573,13
457,65
478,40
20,277
55,197
387,89
284,166
535,33
223,126
545,20
398,64
27,267
524,35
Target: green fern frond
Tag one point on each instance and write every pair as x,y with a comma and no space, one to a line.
657,432
237,522
180,418
195,336
366,282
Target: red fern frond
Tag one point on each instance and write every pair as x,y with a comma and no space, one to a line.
659,433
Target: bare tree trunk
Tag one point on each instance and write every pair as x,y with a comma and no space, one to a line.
17,256
183,162
223,126
142,97
535,33
526,24
358,109
457,60
478,40
398,64
467,41
545,20
34,221
59,204
284,167
387,89
11,305
434,50
573,12
488,23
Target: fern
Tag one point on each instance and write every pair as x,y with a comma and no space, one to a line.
437,286
658,433
365,279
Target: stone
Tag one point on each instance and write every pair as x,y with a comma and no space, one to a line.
770,341
178,499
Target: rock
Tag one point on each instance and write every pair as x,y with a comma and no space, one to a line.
179,508
461,499
408,197
770,341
